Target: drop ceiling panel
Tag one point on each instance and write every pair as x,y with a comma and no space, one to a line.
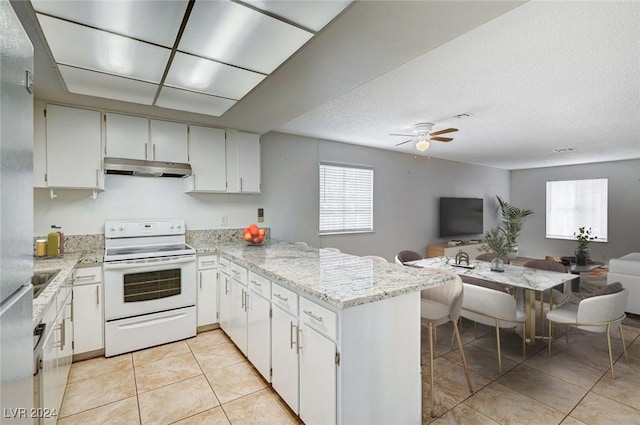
203,75
96,84
199,103
154,21
237,35
84,47
310,14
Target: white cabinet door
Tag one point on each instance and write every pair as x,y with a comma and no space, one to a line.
207,159
74,157
259,333
168,141
207,296
238,315
284,356
88,318
243,162
127,136
66,344
317,378
225,302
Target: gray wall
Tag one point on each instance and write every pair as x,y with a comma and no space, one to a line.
528,190
406,193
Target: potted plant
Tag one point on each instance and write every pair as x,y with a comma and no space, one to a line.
503,240
494,241
513,220
582,252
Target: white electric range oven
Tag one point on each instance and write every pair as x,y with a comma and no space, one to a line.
149,284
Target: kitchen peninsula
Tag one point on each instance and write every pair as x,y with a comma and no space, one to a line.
364,314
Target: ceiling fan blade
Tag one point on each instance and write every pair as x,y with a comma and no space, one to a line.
397,134
406,141
441,139
447,130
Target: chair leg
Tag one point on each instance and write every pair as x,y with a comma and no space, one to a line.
498,344
624,347
609,346
550,323
464,360
430,325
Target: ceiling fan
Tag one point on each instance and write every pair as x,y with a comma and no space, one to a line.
422,135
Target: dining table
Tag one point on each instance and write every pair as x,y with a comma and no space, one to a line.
531,280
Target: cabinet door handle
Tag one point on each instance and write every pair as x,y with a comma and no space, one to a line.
154,151
240,184
299,341
200,280
291,341
246,301
226,285
313,316
280,297
97,295
97,177
243,301
63,334
146,150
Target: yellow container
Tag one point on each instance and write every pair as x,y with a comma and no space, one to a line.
41,247
53,243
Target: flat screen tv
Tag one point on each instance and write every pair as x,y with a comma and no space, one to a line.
460,216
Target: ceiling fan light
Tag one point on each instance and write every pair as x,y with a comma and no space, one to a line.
422,145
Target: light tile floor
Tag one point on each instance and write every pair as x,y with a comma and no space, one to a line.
206,380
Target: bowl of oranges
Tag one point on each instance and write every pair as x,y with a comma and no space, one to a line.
253,235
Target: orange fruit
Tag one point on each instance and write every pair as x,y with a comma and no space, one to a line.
260,232
247,236
258,239
253,226
253,231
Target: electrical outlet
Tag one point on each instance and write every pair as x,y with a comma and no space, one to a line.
223,220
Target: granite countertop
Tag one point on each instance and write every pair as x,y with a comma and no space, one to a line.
65,263
339,279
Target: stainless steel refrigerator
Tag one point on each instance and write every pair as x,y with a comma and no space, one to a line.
16,219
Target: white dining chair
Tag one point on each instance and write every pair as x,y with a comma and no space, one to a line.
376,258
406,255
601,312
441,305
493,308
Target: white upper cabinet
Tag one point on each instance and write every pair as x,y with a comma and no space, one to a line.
243,162
207,158
141,138
168,141
74,149
126,136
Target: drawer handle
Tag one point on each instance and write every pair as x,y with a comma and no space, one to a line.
208,262
235,271
89,276
256,283
313,316
285,299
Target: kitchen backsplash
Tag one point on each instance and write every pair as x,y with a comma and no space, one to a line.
193,237
207,236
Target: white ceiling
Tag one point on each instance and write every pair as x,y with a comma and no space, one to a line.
535,77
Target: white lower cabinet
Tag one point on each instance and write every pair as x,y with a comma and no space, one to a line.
284,356
88,310
224,295
238,315
317,377
207,299
259,324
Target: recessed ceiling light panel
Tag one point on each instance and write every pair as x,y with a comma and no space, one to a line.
309,14
154,21
199,103
240,36
83,47
203,75
96,84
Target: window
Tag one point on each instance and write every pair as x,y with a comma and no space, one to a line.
576,203
346,199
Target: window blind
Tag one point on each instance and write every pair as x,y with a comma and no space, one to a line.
577,203
346,199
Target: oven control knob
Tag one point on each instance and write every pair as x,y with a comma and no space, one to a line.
113,228
179,226
171,226
121,228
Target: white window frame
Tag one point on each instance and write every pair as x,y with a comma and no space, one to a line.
338,213
577,203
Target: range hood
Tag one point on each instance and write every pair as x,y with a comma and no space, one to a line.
139,167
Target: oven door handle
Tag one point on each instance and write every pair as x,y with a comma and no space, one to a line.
148,263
